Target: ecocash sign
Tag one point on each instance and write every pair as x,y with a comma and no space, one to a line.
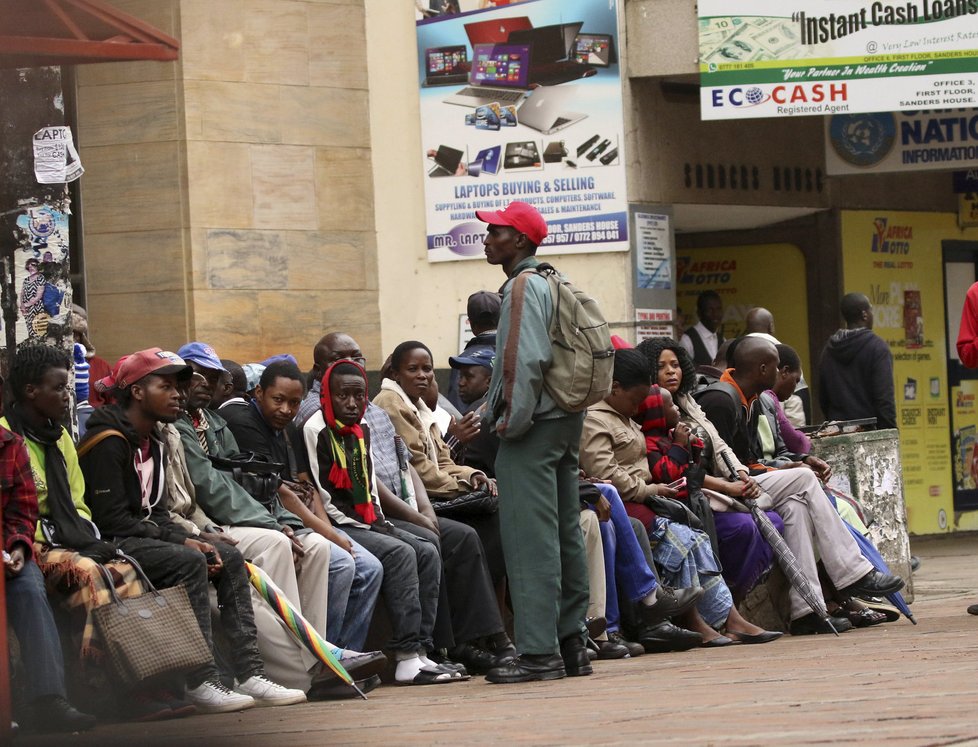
799,93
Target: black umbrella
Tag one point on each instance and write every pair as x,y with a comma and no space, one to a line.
786,558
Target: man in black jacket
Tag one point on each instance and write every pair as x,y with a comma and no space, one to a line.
121,458
856,370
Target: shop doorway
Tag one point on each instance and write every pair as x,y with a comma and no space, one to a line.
960,272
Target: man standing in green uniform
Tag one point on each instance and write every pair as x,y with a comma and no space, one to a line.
536,467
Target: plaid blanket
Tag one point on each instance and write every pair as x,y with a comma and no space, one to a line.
75,585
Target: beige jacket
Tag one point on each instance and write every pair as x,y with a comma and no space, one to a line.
429,453
693,413
182,502
613,448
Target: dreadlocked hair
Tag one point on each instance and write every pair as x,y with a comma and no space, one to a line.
652,350
30,364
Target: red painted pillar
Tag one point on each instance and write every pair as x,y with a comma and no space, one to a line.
5,712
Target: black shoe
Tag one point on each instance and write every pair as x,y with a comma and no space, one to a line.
665,636
669,603
595,626
812,624
475,658
340,690
914,563
609,649
54,713
574,653
529,668
973,609
634,649
874,584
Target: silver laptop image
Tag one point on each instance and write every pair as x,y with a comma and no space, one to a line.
544,110
499,74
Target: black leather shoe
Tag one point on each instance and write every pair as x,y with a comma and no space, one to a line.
634,649
610,649
342,691
529,668
475,658
973,609
665,636
669,603
812,624
574,653
874,584
595,626
54,713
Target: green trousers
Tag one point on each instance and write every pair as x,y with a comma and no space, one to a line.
539,512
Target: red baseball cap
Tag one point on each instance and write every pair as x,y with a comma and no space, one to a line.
151,361
520,215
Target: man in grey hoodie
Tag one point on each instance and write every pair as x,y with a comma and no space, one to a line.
856,370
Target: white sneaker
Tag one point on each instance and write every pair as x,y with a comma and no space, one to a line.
213,697
268,693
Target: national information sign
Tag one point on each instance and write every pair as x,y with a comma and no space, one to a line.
778,58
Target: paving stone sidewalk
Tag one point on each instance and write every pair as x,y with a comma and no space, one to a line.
895,684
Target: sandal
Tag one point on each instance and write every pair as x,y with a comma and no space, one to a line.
864,618
429,676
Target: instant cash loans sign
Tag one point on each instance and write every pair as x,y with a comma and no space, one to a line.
523,102
783,58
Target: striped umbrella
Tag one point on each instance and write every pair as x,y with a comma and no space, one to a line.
785,557
300,628
789,563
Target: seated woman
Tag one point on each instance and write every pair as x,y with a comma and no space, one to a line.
613,448
407,379
744,554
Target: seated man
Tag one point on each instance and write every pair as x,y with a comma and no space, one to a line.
338,448
264,428
321,575
467,600
26,599
483,309
793,490
122,461
231,390
474,369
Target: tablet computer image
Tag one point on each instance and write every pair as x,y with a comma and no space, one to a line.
595,49
522,155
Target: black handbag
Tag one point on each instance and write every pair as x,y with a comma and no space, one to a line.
259,478
477,503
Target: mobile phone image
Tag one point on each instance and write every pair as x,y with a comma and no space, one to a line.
211,557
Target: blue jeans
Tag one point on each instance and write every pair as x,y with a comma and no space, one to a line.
354,585
33,623
625,565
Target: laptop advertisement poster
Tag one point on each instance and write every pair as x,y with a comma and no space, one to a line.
540,79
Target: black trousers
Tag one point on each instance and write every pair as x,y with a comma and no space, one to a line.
167,564
237,613
467,602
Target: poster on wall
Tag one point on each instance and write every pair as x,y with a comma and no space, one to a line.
901,141
522,102
741,276
653,241
894,259
771,58
41,275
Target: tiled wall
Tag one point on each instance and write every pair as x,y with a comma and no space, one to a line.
228,197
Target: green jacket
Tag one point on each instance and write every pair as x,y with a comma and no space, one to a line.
517,397
217,493
76,480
